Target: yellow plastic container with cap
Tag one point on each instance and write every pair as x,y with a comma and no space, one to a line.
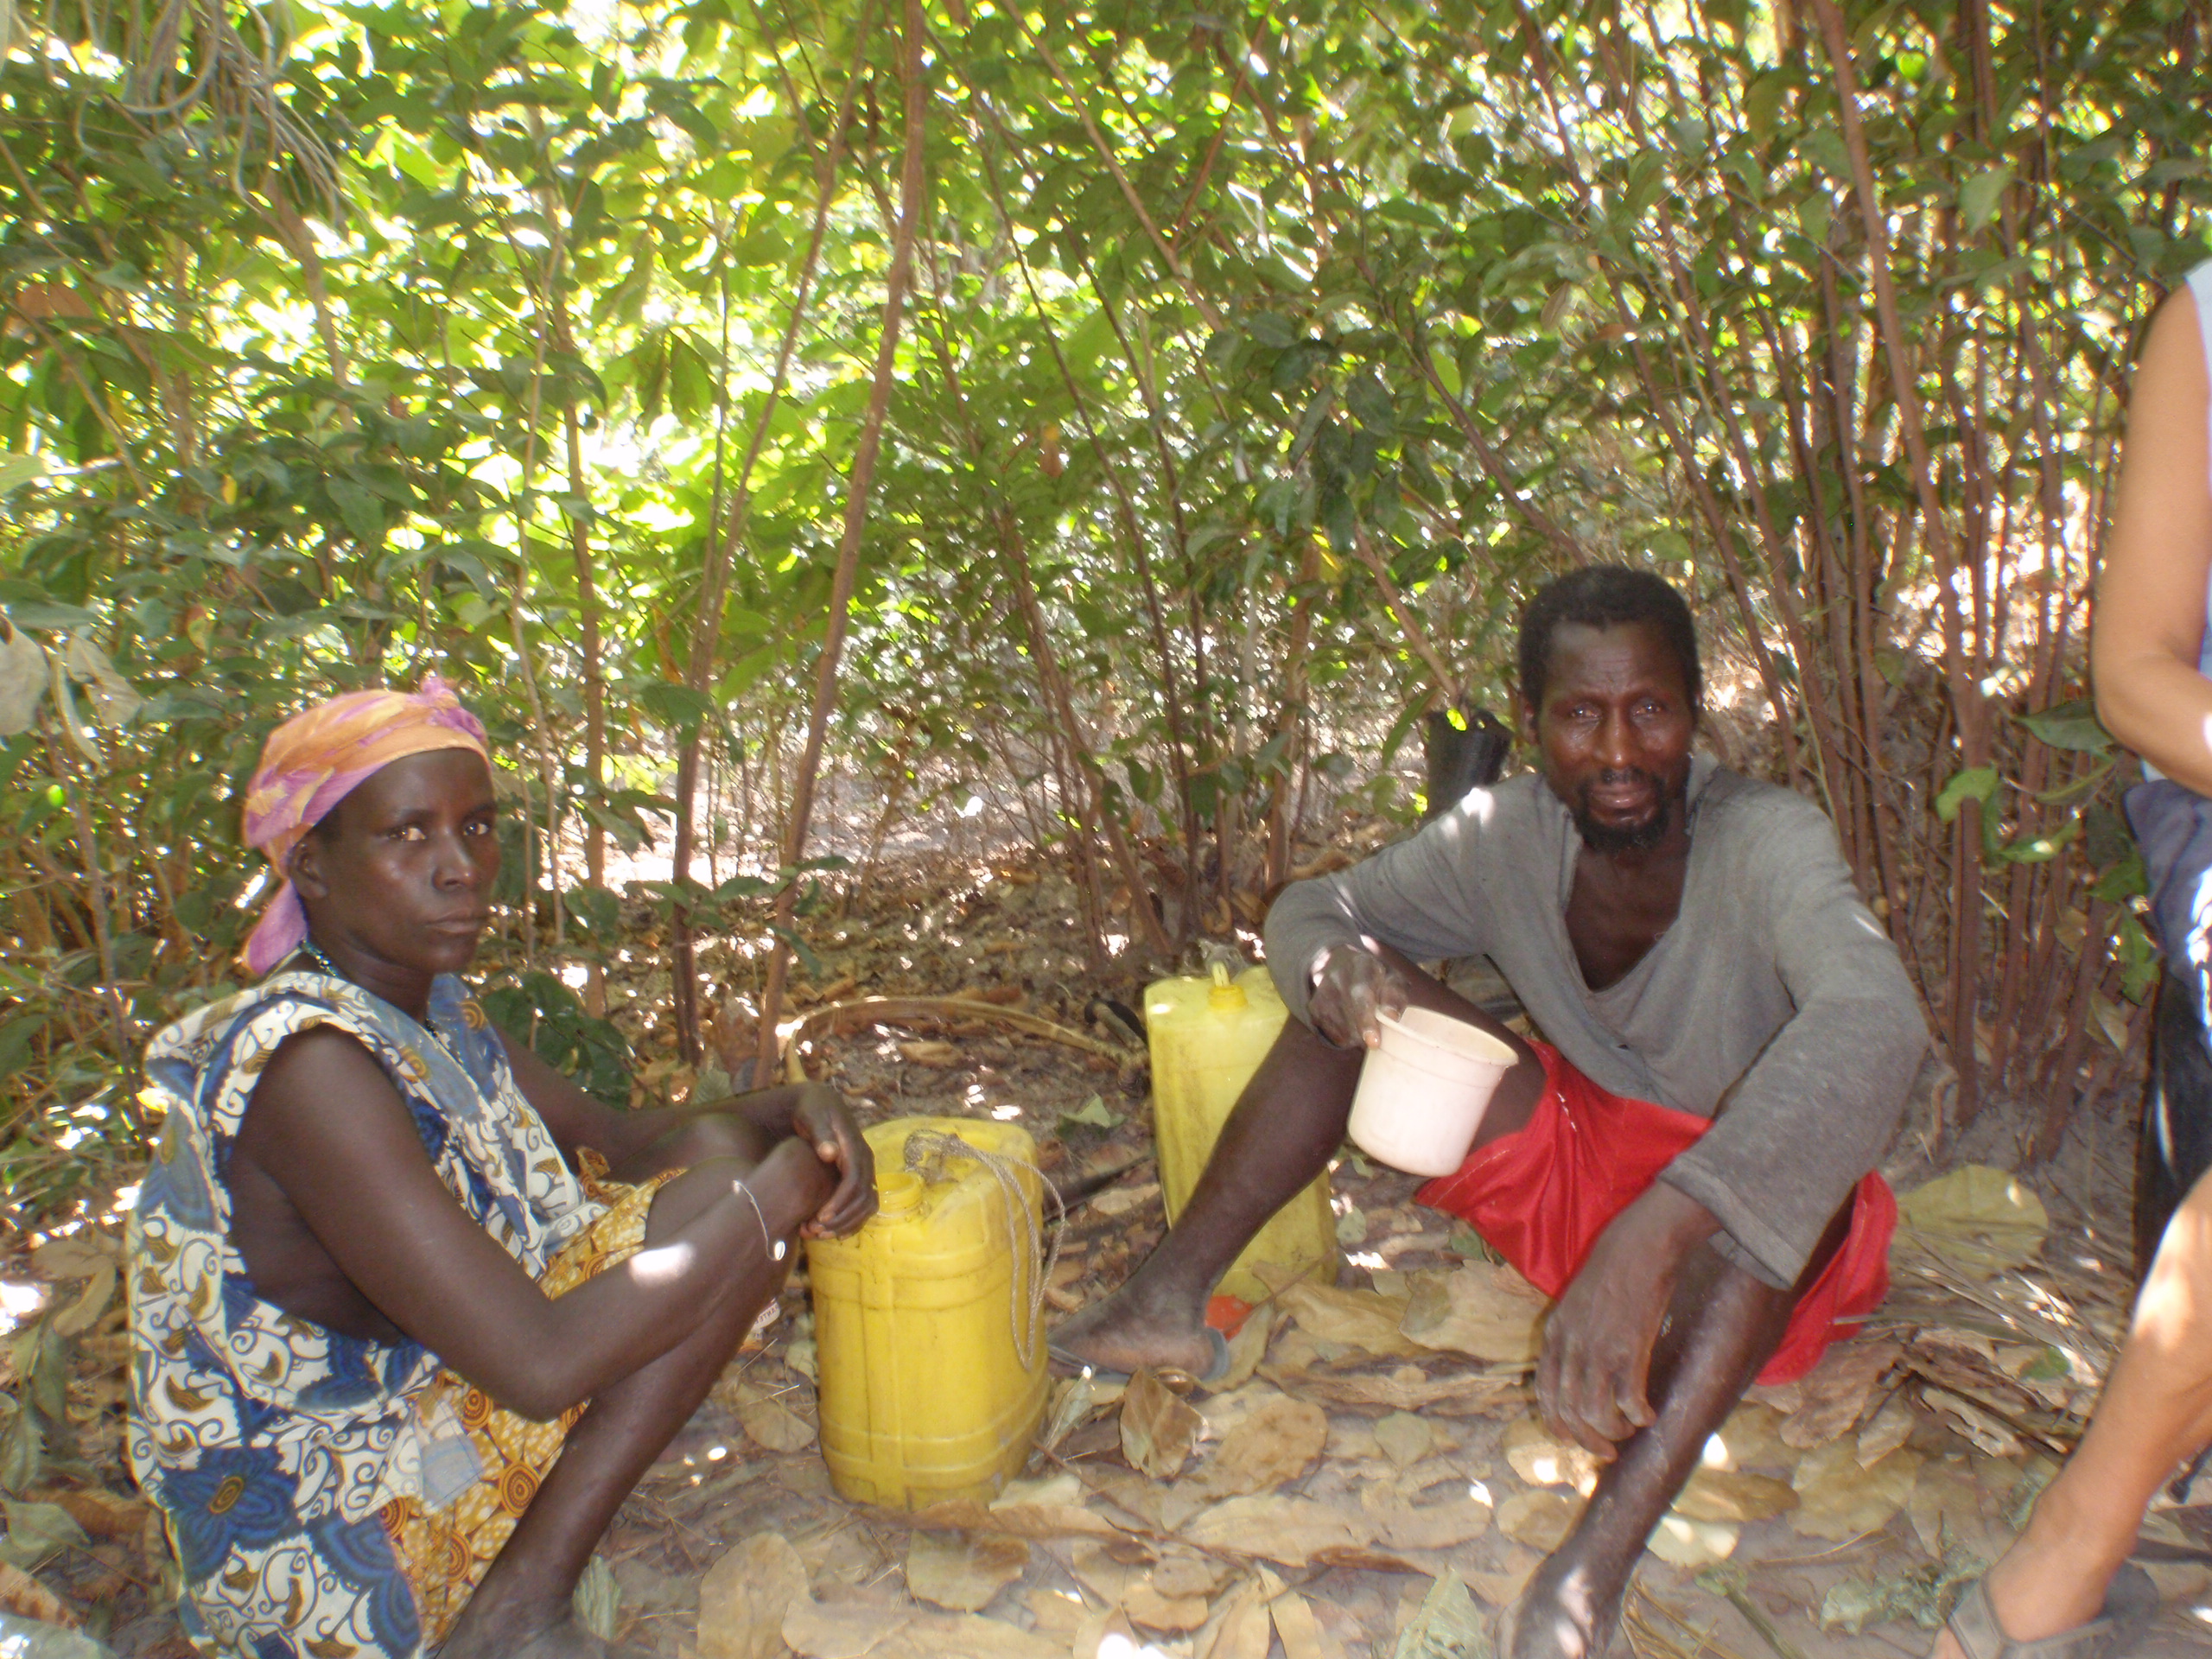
1208,1037
929,1322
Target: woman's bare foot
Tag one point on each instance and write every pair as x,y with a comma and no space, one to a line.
513,1627
1121,1334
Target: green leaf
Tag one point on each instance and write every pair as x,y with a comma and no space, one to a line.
360,510
2040,849
2070,726
1093,1114
1974,783
1981,195
676,707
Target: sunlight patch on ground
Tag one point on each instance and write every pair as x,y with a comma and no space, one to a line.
18,1302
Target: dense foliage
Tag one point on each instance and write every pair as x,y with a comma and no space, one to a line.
1235,373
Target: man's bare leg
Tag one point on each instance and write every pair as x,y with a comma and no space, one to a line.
523,1609
1722,1324
2156,1414
1286,1125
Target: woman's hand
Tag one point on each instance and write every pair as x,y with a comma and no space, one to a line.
820,1118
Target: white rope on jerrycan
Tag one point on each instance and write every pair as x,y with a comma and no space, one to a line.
927,1150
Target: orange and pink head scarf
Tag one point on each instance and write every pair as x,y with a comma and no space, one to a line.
313,760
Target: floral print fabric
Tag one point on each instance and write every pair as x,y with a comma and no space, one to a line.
272,1444
445,1552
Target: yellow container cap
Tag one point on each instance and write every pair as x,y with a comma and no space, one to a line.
1226,995
898,1192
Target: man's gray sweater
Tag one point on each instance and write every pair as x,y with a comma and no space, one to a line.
1775,1002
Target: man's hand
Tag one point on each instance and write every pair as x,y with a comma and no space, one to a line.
820,1118
1353,990
1591,1378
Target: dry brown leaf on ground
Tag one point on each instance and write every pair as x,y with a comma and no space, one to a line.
1681,1541
775,1426
1246,1350
1173,1594
84,1309
1977,1220
1483,1309
1988,1432
1148,1605
864,1630
76,1255
1834,1392
1121,1200
1541,1459
1240,1628
1837,1499
1366,1319
1040,1520
1289,1530
1181,1572
1952,1516
1404,1438
1539,1520
1734,1494
1435,1526
963,1571
1886,1430
930,1052
1503,1587
103,1514
1107,1570
744,1596
1058,1613
1277,1441
1407,1388
1296,1628
1151,1506
1752,1438
1448,1626
21,1594
1158,1428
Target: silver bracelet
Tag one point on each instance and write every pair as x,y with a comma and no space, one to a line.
775,1247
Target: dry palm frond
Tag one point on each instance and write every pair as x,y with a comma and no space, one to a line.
1656,1630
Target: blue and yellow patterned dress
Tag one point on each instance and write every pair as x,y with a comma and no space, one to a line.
280,1452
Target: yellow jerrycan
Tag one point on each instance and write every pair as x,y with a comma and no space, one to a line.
1208,1036
928,1321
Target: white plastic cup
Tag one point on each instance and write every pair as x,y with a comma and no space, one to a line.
1423,1091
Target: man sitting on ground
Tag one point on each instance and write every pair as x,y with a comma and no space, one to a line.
1683,1162
410,1312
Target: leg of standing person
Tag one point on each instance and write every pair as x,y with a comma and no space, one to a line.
522,1609
2155,1413
1286,1127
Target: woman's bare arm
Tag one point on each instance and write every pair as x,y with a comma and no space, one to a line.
2150,598
329,1129
638,1145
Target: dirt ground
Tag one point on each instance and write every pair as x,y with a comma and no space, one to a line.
1372,1482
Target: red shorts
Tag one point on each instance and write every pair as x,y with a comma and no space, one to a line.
1542,1196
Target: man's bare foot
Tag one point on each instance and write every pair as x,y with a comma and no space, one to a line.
1120,1335
1571,1607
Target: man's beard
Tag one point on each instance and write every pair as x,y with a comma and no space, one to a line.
1635,838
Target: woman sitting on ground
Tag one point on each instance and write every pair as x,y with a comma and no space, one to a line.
411,1313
